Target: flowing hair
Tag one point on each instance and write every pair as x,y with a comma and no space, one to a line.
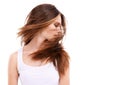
40,17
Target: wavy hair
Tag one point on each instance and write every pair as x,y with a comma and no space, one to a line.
40,17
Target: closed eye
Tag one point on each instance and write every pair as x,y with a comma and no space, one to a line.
57,24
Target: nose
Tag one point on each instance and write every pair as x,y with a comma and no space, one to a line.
60,32
60,29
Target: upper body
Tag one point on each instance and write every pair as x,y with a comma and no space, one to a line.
42,60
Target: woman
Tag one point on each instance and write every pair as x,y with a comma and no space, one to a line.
42,59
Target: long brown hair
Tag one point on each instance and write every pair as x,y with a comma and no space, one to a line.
40,17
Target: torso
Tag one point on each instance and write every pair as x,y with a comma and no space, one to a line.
34,72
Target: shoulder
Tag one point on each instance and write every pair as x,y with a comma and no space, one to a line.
13,58
12,69
65,79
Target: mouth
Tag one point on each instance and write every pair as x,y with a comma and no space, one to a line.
58,35
56,38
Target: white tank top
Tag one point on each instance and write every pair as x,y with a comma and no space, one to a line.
36,75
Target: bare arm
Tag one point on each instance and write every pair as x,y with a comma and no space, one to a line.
12,70
65,80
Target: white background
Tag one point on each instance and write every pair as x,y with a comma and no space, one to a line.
92,40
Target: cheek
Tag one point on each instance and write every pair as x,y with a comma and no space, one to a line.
49,32
51,27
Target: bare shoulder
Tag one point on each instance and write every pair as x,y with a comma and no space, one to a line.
65,79
12,69
12,64
13,58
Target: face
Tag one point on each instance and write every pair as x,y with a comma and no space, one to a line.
54,30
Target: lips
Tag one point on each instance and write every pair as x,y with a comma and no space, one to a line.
59,34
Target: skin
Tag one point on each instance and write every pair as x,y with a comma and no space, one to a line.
50,32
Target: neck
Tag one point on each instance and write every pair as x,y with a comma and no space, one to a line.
35,44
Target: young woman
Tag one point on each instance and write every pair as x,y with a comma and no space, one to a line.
42,59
